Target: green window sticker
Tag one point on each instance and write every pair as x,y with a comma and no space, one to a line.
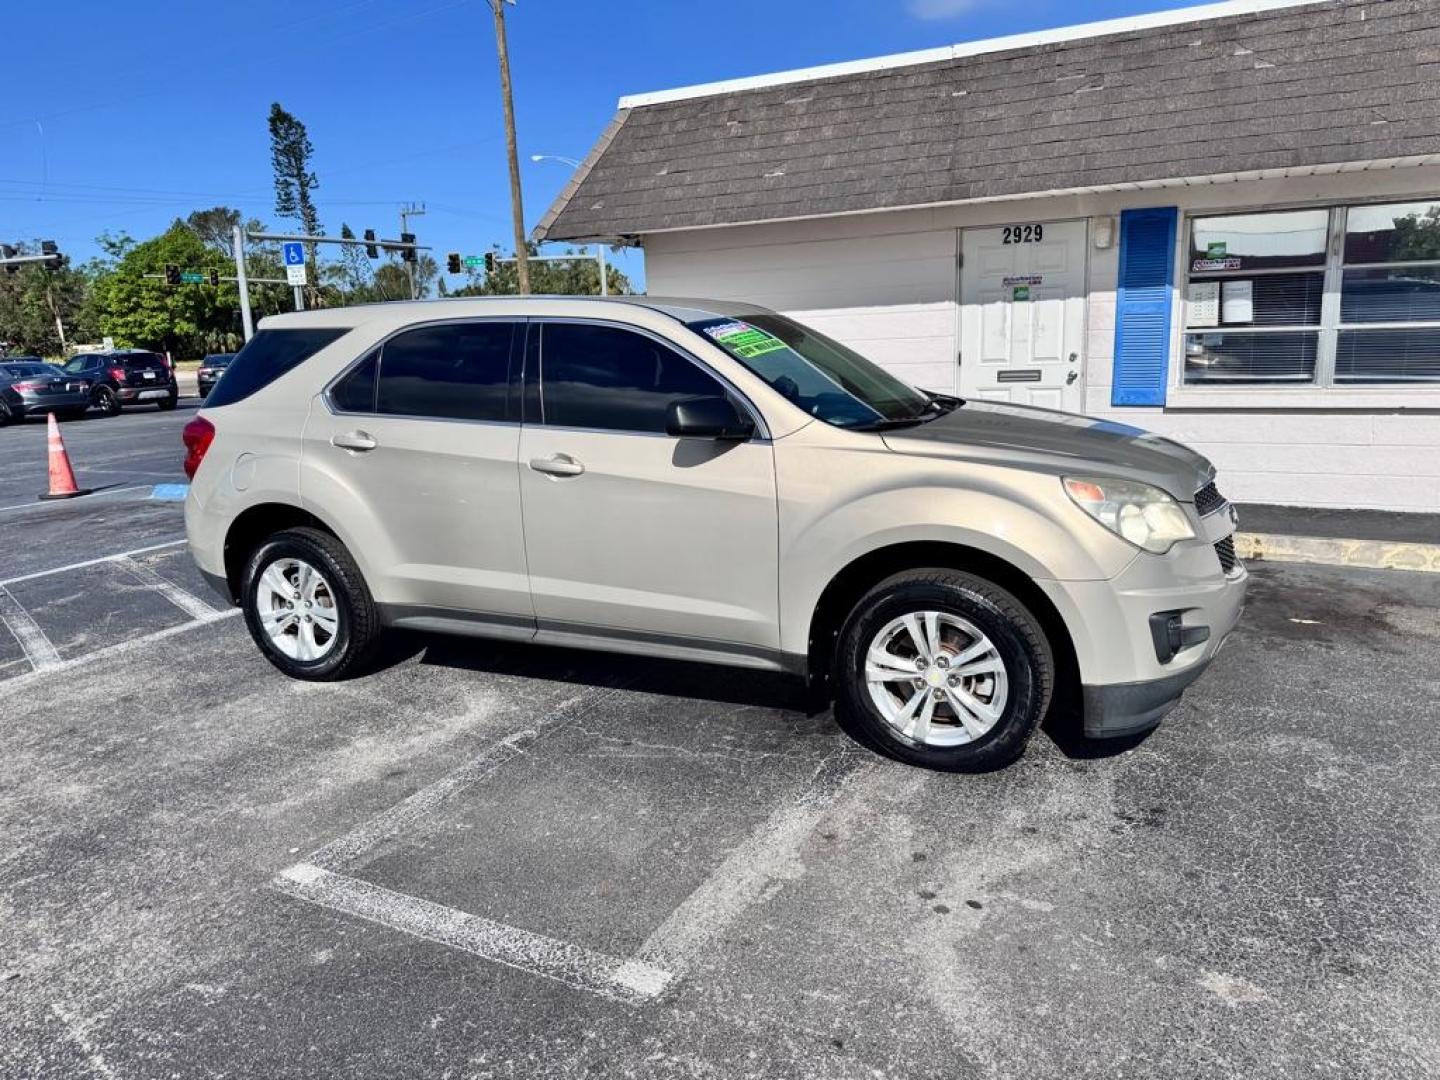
1022,292
744,340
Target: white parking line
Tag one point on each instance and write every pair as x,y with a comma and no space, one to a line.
187,602
750,875
93,562
35,504
37,648
609,976
111,652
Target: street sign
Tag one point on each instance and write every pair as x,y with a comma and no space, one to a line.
190,277
294,253
473,261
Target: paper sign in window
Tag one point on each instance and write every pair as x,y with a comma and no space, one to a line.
1237,302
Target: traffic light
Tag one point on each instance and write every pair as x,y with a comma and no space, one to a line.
172,274
215,278
452,263
8,252
489,262
52,250
371,251
408,254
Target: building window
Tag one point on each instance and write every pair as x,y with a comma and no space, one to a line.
1332,297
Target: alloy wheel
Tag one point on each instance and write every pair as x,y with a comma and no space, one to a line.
297,609
936,678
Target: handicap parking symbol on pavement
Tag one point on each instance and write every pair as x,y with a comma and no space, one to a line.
294,254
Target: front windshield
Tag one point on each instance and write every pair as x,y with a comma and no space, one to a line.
821,376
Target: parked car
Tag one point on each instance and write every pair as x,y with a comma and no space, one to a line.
210,370
707,481
29,386
132,377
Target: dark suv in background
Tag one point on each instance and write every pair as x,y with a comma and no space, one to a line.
126,378
211,368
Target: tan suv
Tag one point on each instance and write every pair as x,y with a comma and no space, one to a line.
709,481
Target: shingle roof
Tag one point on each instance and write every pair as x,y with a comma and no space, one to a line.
1341,81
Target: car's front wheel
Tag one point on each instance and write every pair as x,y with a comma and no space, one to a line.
308,607
944,670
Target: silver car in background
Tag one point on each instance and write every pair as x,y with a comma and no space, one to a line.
710,481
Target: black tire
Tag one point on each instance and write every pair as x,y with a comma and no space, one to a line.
166,404
1017,638
358,621
106,400
6,416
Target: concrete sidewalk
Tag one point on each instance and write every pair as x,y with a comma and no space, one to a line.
1375,539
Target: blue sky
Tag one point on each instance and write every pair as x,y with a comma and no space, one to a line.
142,111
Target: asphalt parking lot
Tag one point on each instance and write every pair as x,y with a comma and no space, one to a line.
499,861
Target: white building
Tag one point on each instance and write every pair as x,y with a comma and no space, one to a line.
1220,223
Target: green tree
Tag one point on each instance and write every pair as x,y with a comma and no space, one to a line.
215,227
145,312
578,278
43,308
295,180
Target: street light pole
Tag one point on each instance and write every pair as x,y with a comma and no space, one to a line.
247,321
517,209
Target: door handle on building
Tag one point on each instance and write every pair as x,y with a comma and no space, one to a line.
354,440
559,465
1071,377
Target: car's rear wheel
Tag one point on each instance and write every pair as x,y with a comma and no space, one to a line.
6,416
308,607
943,669
106,400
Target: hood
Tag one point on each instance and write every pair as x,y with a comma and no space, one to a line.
1024,436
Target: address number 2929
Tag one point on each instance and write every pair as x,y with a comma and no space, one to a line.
1022,234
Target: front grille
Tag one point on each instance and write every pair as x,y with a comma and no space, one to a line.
1208,499
1226,550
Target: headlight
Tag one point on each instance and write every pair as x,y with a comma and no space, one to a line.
1140,513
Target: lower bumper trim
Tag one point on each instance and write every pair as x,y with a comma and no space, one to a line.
1130,708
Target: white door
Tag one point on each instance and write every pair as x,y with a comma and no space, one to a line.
1022,314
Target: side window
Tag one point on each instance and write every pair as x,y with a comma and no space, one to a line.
613,379
453,371
356,391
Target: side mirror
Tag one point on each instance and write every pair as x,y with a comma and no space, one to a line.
707,418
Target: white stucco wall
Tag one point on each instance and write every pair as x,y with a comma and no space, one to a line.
888,284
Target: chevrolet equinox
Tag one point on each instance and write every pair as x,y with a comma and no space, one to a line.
708,481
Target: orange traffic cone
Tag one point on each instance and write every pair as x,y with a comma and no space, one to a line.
62,477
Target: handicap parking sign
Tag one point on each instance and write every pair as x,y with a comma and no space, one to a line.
294,254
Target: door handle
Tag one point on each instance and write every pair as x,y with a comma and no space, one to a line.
1071,377
354,440
559,465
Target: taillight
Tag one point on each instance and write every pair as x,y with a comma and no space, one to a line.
118,374
27,386
197,435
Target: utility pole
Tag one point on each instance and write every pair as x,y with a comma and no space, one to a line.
247,321
517,208
408,211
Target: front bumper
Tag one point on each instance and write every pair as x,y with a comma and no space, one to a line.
1129,682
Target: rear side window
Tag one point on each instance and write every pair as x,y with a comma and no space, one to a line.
269,354
451,371
612,379
356,391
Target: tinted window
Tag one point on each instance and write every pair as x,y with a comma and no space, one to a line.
455,371
356,391
144,360
84,363
616,380
269,354
217,360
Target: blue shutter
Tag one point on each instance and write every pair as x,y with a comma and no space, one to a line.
1142,306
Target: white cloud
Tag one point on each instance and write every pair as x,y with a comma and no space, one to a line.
941,9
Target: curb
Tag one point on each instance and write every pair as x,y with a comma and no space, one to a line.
1370,554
